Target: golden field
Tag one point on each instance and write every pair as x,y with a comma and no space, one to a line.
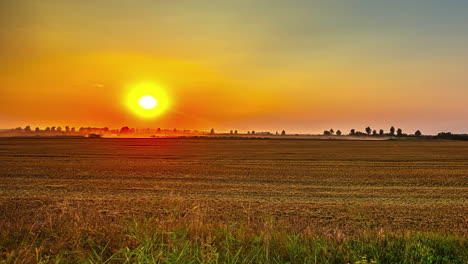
320,188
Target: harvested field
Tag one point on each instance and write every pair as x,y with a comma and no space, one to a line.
300,185
396,183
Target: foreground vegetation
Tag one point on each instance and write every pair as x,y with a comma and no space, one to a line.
91,237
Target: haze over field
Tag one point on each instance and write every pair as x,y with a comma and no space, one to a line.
303,66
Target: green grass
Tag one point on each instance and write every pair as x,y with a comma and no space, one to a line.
146,241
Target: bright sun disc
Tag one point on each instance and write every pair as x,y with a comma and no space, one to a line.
148,102
147,99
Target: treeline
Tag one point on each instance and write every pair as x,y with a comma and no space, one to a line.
252,132
395,133
449,135
373,132
155,132
58,130
83,131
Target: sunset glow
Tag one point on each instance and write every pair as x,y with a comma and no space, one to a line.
233,131
303,66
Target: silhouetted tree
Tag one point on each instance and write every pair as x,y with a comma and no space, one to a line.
235,132
352,131
445,135
338,133
283,133
368,130
417,133
123,130
449,135
374,132
381,132
392,131
37,129
59,129
326,133
253,131
212,131
67,129
27,129
399,132
332,131
248,132
73,130
158,130
360,134
47,129
52,129
231,132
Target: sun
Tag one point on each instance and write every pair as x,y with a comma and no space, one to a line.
148,102
147,99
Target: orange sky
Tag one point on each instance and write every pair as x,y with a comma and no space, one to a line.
268,65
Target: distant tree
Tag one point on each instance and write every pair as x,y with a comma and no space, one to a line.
59,129
158,130
283,133
352,131
52,129
399,132
277,133
326,133
37,129
417,133
253,131
235,132
381,132
248,132
392,131
123,130
449,135
231,132
47,129
175,130
73,130
445,134
212,131
368,130
359,133
67,129
374,132
18,129
338,133
27,129
332,131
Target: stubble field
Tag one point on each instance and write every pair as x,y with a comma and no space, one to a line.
327,190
